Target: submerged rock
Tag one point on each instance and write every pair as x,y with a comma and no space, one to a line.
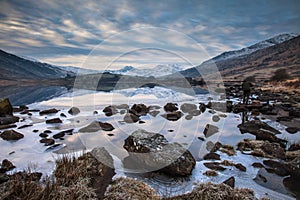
214,166
188,107
210,130
96,126
74,111
172,116
49,111
11,135
154,152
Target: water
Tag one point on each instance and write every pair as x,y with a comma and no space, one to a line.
29,152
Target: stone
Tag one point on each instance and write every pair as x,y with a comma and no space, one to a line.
5,107
240,167
210,173
59,135
96,126
53,121
293,167
63,115
139,110
3,178
7,165
110,110
294,113
273,149
214,166
229,150
188,107
11,135
210,130
7,126
74,111
43,135
257,165
230,182
293,185
154,113
290,155
47,131
131,118
49,111
292,130
212,156
189,117
215,118
47,141
262,131
172,116
171,107
25,126
279,168
202,107
155,153
8,119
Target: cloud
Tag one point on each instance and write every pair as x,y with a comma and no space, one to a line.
59,31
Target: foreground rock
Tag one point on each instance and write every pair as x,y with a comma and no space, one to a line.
6,113
49,111
155,153
96,126
11,135
210,130
74,111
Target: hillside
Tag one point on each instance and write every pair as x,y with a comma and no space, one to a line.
260,63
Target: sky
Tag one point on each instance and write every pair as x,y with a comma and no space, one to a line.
102,34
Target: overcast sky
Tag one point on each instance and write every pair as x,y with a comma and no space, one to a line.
92,34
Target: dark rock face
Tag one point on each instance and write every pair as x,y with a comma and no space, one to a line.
153,152
96,126
230,182
262,131
170,107
11,135
49,111
278,168
53,121
210,130
5,107
74,111
172,116
139,110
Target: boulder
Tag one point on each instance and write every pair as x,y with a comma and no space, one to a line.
214,166
5,107
215,118
274,150
74,111
230,182
210,173
11,135
155,153
262,131
202,107
139,110
49,111
188,107
294,147
110,110
6,165
96,126
47,141
8,119
59,135
170,107
212,156
53,121
131,118
292,130
172,116
210,130
240,167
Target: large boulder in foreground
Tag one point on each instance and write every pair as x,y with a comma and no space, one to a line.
154,153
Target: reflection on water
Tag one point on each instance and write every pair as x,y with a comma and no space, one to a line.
31,94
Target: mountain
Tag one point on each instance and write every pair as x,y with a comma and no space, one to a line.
77,70
158,71
14,67
280,51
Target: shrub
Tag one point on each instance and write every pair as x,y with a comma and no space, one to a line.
279,75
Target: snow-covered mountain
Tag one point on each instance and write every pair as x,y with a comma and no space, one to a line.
248,50
159,70
77,70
